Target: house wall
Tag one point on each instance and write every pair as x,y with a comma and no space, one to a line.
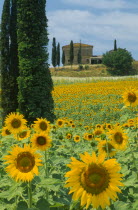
86,52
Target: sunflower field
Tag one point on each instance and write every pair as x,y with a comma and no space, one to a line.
86,159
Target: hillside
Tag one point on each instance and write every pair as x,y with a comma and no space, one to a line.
87,71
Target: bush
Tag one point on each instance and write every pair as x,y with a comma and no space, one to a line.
80,67
86,67
118,62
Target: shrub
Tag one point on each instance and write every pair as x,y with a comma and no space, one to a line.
118,62
86,67
80,67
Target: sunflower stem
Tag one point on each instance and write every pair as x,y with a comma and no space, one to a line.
29,195
134,160
46,172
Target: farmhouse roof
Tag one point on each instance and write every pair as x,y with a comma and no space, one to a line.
78,44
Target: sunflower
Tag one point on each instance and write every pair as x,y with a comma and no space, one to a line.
41,125
88,136
77,138
94,180
107,148
23,163
41,141
24,134
15,122
60,122
109,126
71,121
68,135
131,122
130,97
85,136
73,126
98,126
5,131
98,131
86,127
125,125
118,137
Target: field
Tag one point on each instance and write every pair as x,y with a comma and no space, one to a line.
92,118
87,71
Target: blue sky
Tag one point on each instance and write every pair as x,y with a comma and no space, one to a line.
94,22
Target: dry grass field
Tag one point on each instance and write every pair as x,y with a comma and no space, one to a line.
87,71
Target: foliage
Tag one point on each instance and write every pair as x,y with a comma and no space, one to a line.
58,54
9,57
35,83
118,62
14,62
63,57
91,107
5,58
54,52
71,53
115,45
86,67
80,67
79,56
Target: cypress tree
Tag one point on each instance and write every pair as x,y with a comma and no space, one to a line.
5,59
79,55
14,63
63,58
35,82
58,54
54,52
71,53
115,45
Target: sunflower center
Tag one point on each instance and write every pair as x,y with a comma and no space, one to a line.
60,123
16,123
7,132
95,179
109,147
43,126
132,97
98,132
41,140
118,137
25,162
90,136
23,134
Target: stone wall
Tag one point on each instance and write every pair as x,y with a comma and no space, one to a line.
86,52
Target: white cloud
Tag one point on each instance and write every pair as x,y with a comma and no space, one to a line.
97,29
103,4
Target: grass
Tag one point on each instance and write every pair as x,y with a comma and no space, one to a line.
99,70
67,71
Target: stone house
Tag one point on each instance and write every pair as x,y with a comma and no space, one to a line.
86,53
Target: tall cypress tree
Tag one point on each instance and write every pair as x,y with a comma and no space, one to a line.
79,58
63,58
54,52
71,53
115,45
5,59
14,63
58,54
35,83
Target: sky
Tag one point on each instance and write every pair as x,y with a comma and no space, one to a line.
94,22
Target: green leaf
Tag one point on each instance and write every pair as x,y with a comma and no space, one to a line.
43,204
119,205
22,205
